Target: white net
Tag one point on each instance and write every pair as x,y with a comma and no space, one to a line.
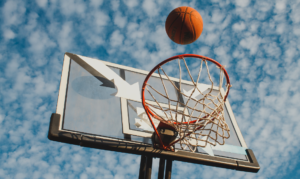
197,114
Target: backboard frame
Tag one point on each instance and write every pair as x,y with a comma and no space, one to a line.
57,133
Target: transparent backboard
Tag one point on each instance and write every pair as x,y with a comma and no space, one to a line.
91,103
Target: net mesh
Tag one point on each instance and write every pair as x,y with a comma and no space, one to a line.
198,116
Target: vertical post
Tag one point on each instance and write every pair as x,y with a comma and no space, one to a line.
148,167
161,168
179,95
168,169
142,167
122,75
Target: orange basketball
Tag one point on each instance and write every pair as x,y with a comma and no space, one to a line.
184,25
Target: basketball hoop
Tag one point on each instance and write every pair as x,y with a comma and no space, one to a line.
192,131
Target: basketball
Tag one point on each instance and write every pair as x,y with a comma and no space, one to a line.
184,25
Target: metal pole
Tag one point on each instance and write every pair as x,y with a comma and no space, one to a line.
161,168
168,169
142,167
148,167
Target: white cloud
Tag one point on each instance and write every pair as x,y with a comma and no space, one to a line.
271,68
115,4
280,5
92,28
93,41
162,43
246,13
252,43
120,21
39,42
295,14
223,57
296,30
65,37
254,25
12,66
100,19
290,53
13,12
32,22
243,66
239,26
203,51
212,38
131,3
96,3
3,173
70,7
272,49
238,54
280,28
84,176
150,7
263,6
217,16
21,175
42,3
242,3
21,79
1,118
8,34
226,22
292,71
116,39
42,88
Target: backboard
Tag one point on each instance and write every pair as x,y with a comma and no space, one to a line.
99,106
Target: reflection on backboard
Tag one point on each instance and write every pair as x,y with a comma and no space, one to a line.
99,105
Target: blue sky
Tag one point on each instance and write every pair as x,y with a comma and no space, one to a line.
258,41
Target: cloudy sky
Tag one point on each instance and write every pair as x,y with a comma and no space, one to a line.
258,41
